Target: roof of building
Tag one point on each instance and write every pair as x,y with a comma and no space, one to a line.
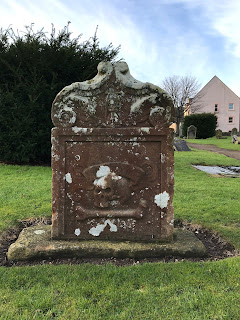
215,77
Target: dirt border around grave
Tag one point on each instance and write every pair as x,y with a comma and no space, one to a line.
210,147
217,248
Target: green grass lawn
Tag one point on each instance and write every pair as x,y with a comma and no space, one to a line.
183,290
220,143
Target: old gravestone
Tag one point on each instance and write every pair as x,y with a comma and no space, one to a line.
219,134
112,159
234,132
180,145
191,132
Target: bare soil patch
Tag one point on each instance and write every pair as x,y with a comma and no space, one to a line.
216,247
210,147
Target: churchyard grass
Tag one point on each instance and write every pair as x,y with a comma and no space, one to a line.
204,199
183,290
220,143
24,193
199,197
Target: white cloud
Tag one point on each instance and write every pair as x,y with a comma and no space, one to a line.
156,39
222,18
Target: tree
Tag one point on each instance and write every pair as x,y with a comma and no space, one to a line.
184,93
34,67
204,122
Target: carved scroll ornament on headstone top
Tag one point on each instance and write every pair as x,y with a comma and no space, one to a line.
96,103
112,159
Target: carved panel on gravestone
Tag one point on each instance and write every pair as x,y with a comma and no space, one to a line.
191,132
112,159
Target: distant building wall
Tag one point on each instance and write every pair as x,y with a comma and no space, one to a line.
217,98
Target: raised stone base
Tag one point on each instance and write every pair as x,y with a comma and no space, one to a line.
36,243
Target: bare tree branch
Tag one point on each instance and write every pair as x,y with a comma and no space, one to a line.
184,91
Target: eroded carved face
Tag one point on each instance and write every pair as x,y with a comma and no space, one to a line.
111,190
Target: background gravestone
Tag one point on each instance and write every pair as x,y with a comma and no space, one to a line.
112,159
191,132
180,145
234,132
219,134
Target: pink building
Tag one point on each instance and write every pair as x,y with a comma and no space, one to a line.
216,97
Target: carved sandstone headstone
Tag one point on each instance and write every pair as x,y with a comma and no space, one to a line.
219,134
112,159
191,132
234,132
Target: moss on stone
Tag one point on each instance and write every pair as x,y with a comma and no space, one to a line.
36,243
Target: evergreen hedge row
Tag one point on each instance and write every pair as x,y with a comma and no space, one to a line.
34,67
204,122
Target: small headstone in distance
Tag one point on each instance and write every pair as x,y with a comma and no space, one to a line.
180,145
234,132
191,132
219,134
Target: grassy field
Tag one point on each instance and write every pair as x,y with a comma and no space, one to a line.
220,143
182,290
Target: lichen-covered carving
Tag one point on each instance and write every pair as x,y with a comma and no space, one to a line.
112,159
107,101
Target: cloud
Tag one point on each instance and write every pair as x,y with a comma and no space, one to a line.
226,21
221,18
158,38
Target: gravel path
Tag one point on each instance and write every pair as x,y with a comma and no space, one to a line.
210,147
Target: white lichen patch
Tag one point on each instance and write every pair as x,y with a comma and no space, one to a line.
103,171
39,231
163,157
156,109
68,177
77,232
126,224
70,112
136,144
78,130
115,177
136,106
145,129
161,199
101,182
95,231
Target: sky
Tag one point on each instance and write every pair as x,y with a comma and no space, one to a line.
158,38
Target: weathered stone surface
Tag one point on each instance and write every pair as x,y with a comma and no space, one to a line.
234,132
112,159
36,243
219,134
191,132
181,145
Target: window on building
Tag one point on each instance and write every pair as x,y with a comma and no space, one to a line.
230,119
216,107
230,106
